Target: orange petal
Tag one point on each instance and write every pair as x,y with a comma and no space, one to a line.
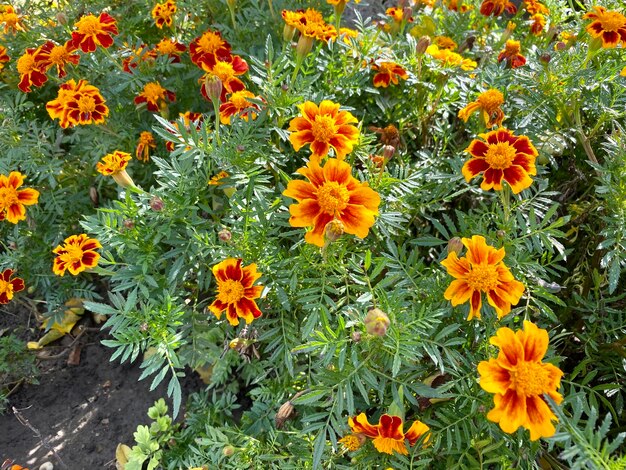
337,170
299,190
357,220
456,267
365,196
458,292
493,378
304,213
539,418
360,424
511,350
300,139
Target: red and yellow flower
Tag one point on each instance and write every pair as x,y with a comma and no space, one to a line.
171,48
4,57
238,104
310,24
52,55
11,20
488,102
331,193
397,15
94,31
188,118
497,7
388,72
9,286
388,435
450,58
533,7
481,270
13,200
163,13
145,143
78,103
538,23
114,165
76,255
155,97
444,42
227,70
236,291
501,155
32,69
608,25
324,127
511,53
209,46
136,56
519,379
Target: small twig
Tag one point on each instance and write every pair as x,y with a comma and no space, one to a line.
44,441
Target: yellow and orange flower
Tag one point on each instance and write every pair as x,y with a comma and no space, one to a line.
518,379
52,55
450,58
538,23
397,15
489,103
144,144
481,270
388,435
136,56
76,255
608,25
32,69
11,20
13,200
236,292
4,57
497,7
171,48
155,96
163,13
94,31
227,70
323,128
114,165
209,46
238,104
533,7
512,55
310,24
8,286
501,156
388,72
78,103
332,193
444,42
354,441
216,180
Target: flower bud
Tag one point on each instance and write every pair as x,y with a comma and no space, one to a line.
213,87
227,451
284,413
545,58
224,235
123,179
61,18
388,151
334,230
240,148
500,234
455,244
422,45
93,195
128,223
356,336
156,203
288,32
560,46
407,12
304,46
376,322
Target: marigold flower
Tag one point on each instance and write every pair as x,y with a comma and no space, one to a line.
481,270
347,34
11,20
4,57
449,58
388,436
52,55
388,72
323,128
623,72
502,156
13,200
188,117
93,32
114,165
533,7
78,103
238,104
538,23
76,255
310,24
171,48
331,193
227,71
519,379
32,69
497,7
155,96
489,103
236,292
216,179
209,46
144,144
511,54
140,54
608,25
9,286
397,14
163,13
354,441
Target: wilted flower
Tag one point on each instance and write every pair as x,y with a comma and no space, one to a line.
9,286
538,23
136,56
376,322
11,20
144,144
94,31
489,103
76,255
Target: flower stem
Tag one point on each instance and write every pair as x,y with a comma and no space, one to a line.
505,196
216,109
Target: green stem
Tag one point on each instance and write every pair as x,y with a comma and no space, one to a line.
216,109
505,196
112,59
232,16
294,75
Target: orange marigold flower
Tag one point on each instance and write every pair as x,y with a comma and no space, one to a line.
450,58
310,23
331,193
4,57
227,70
236,292
209,46
354,441
52,55
78,103
489,103
32,69
518,379
533,7
76,255
623,72
11,20
238,104
388,72
163,13
144,144
93,32
9,286
497,7
397,14
155,96
608,25
188,118
538,23
13,200
114,165
323,128
501,156
481,270
444,42
511,54
140,54
216,179
388,436
171,48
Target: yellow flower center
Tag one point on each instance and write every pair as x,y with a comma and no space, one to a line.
223,70
500,155
612,21
483,277
530,378
386,68
332,197
6,287
351,442
210,42
239,101
166,47
323,128
74,253
490,100
89,25
86,104
146,138
512,47
230,291
153,92
10,19
26,64
58,55
8,197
